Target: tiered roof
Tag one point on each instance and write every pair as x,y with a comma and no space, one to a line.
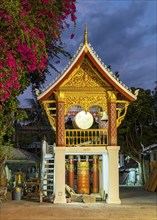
85,48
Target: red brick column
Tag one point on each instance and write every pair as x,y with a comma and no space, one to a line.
71,172
95,175
112,127
60,125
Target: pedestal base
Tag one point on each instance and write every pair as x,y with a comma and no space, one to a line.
113,201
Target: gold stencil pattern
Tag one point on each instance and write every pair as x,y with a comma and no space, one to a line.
85,100
85,77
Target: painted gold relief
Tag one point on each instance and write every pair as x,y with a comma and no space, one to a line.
85,100
85,76
49,109
112,95
121,110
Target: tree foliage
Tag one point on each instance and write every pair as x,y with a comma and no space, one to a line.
139,126
30,32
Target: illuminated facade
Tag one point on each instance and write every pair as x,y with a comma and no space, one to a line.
85,105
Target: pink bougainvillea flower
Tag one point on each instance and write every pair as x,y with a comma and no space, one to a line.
16,86
45,1
26,36
1,66
72,36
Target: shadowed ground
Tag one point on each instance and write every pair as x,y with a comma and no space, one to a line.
137,204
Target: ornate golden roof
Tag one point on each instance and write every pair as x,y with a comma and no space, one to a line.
85,49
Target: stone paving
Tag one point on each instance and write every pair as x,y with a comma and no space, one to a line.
137,204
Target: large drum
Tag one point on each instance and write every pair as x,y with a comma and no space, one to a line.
83,120
83,185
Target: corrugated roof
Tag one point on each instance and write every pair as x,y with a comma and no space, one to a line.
20,154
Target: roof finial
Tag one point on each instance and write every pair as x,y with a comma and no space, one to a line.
85,34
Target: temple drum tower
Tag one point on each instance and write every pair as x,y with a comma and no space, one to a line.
85,105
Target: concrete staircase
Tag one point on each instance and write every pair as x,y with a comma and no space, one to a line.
47,170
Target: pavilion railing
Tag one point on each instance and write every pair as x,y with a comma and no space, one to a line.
88,137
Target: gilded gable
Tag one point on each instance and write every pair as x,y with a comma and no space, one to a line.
85,76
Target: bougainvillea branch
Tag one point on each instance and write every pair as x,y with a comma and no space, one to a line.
28,31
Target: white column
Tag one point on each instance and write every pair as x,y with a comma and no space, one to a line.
59,175
105,177
100,177
113,184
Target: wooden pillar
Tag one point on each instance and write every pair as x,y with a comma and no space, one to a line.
83,177
71,172
95,175
60,124
112,126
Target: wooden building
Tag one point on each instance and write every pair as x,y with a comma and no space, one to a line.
85,105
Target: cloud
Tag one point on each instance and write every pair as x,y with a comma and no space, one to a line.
122,36
123,33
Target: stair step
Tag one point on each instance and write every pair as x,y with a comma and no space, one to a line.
49,174
48,190
52,164
51,158
49,168
48,185
48,179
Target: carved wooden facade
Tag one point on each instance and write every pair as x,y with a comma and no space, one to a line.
87,85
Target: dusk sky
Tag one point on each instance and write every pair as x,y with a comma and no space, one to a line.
124,35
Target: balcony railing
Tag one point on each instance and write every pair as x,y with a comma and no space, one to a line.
89,137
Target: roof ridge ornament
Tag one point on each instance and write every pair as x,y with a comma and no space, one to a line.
85,34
